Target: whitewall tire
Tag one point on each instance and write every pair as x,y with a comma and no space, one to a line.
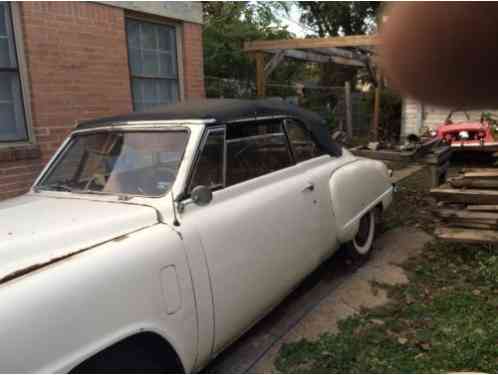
362,243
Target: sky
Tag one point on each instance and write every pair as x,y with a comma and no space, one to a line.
292,22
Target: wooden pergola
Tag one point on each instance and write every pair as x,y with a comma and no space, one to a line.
355,50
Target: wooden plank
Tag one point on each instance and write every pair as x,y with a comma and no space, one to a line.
306,55
463,182
468,216
349,110
260,74
466,235
490,175
483,207
383,154
376,108
307,43
469,196
341,52
465,224
479,170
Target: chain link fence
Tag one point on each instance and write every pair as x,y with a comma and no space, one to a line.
329,102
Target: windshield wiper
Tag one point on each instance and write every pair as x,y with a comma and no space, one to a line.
58,186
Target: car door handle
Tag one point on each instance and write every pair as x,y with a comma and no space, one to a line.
309,187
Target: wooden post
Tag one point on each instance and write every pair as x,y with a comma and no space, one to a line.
376,114
349,110
260,74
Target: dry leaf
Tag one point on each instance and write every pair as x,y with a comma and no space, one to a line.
402,340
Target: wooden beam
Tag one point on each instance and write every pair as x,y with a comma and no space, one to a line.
340,52
273,63
376,114
467,235
483,207
307,43
349,110
260,74
319,58
464,182
468,216
483,175
479,170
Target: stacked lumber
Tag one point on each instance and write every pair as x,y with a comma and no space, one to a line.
468,207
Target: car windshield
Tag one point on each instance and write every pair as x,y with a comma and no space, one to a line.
118,162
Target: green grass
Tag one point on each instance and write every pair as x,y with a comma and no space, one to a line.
444,320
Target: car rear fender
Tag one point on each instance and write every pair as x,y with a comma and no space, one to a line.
355,189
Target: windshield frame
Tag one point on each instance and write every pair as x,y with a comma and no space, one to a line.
156,126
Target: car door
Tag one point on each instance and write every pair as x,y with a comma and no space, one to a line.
316,168
259,232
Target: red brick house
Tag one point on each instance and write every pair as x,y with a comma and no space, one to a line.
62,62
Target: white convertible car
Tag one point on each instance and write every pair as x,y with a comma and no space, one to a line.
152,241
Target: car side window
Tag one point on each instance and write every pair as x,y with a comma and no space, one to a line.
255,149
303,145
209,168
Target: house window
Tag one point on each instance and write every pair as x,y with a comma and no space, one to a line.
153,63
12,119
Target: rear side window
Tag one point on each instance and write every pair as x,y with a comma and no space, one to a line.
255,149
302,144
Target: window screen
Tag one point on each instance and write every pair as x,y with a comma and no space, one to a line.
302,144
12,120
263,149
153,63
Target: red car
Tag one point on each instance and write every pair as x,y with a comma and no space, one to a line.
469,135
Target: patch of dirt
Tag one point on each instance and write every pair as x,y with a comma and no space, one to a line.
412,205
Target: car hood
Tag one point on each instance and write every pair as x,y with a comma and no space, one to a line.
36,230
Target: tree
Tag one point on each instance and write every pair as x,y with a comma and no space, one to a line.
339,18
227,25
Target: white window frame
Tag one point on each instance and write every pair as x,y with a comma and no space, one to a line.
179,48
15,12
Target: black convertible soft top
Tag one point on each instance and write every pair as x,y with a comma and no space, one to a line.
225,111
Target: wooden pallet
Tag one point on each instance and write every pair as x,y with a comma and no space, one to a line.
468,207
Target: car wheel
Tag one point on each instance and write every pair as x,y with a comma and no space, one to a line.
361,245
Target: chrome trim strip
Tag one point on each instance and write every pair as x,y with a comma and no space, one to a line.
369,207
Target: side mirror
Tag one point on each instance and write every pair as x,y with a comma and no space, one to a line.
201,195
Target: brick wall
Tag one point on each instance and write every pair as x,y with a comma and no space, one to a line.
78,69
77,64
193,66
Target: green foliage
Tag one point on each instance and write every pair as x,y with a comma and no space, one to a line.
493,123
339,17
333,18
444,321
227,25
389,115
